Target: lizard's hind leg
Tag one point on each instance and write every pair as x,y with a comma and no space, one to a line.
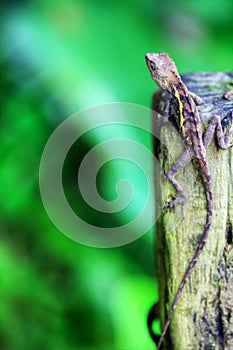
181,162
223,138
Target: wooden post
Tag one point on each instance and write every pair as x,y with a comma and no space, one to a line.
203,318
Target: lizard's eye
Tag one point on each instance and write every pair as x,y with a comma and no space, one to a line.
152,65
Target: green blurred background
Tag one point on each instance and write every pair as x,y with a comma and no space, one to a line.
58,58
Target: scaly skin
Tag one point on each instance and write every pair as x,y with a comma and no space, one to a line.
165,74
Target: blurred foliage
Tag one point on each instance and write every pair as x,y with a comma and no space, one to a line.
58,58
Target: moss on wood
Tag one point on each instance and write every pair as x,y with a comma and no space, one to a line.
204,315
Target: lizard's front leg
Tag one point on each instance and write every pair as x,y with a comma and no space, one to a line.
223,138
197,99
181,162
166,112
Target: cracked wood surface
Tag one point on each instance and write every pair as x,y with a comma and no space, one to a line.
204,315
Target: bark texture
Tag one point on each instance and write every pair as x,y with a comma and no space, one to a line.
204,315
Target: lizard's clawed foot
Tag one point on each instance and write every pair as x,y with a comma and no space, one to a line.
164,209
176,201
169,206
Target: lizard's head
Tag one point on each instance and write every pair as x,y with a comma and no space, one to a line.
163,70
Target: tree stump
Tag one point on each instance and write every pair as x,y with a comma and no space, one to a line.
203,318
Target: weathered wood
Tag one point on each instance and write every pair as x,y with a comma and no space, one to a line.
204,315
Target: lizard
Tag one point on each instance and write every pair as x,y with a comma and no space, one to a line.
228,94
184,104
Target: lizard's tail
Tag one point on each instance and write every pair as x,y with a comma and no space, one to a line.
191,266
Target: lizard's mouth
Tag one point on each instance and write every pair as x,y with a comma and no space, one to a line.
147,60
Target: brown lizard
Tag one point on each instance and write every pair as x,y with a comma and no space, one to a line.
183,103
